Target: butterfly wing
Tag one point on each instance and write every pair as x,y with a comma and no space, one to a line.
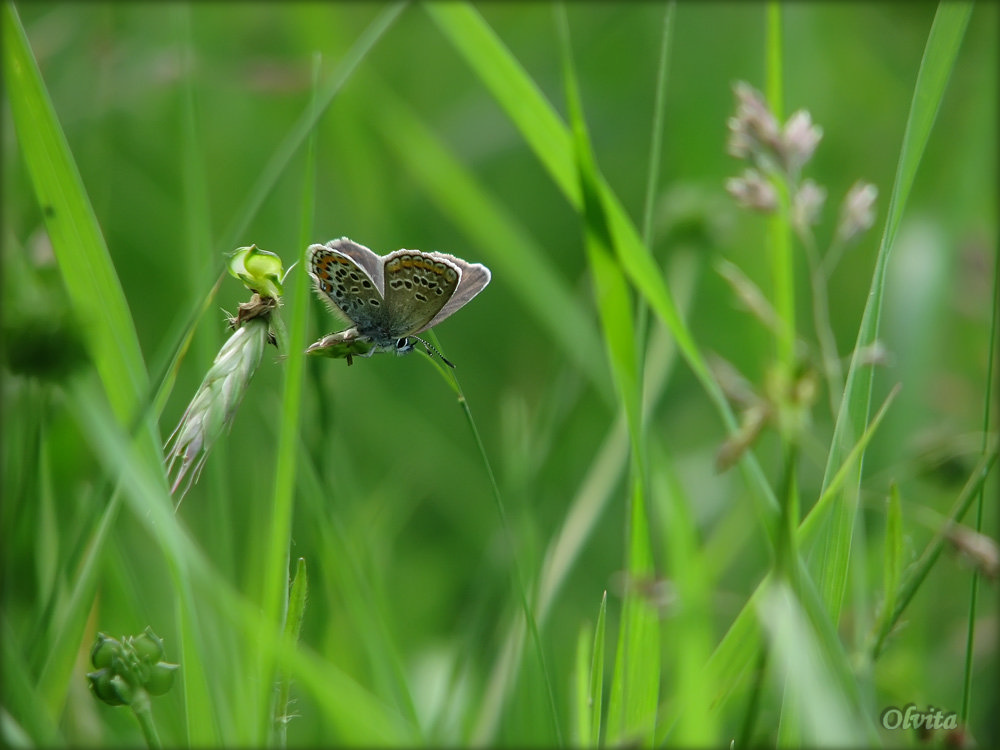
473,278
347,276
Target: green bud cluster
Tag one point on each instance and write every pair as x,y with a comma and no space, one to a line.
128,667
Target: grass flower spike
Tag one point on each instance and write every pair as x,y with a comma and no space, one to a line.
218,398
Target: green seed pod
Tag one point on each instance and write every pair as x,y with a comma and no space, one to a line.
161,677
148,645
100,683
122,689
104,650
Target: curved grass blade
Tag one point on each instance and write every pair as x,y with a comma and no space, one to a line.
943,42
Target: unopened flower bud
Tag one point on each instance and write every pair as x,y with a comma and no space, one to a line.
857,213
799,140
753,191
754,131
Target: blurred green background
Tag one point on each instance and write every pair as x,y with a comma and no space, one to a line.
403,501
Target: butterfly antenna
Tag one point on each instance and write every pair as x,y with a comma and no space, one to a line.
431,348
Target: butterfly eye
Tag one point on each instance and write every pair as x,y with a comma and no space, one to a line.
404,346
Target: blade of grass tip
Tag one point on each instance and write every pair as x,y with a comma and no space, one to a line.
276,558
919,570
988,381
293,625
892,559
635,681
655,149
611,292
597,672
582,736
943,43
656,134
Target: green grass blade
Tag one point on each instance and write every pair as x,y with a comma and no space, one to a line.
275,572
582,732
656,132
597,672
611,291
91,282
802,672
970,638
200,705
892,559
293,626
68,629
635,683
938,60
22,701
688,643
517,93
632,705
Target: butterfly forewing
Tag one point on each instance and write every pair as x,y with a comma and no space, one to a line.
347,285
365,258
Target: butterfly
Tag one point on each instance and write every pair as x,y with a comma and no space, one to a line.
388,299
